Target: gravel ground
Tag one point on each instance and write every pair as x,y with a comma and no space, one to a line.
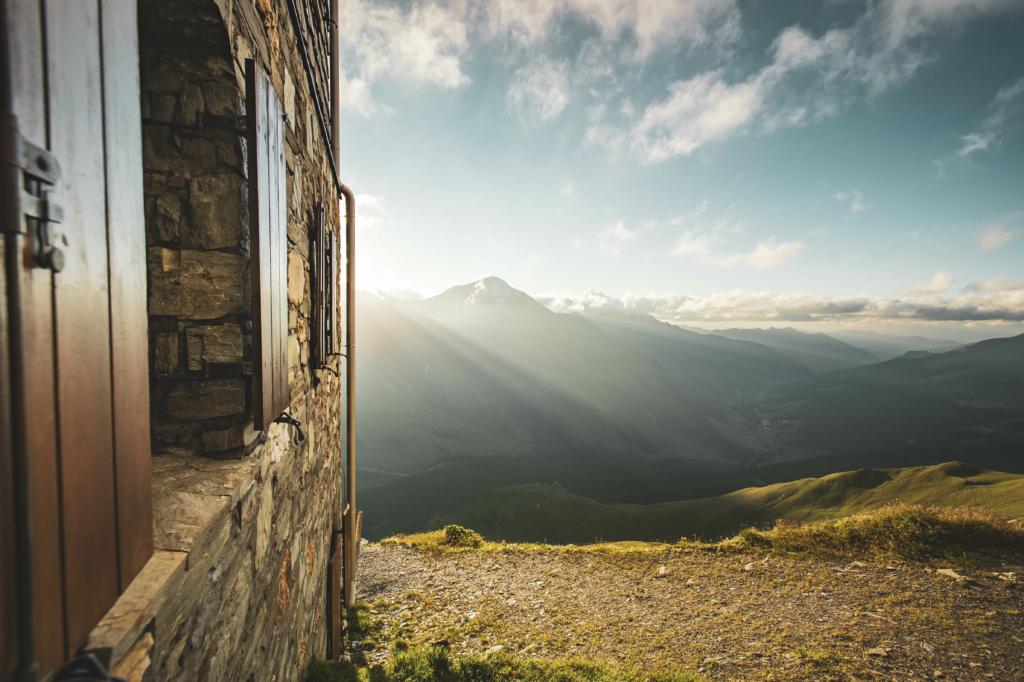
728,616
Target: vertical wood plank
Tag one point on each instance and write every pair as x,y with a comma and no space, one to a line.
323,301
126,238
252,151
256,100
81,295
39,398
278,284
281,242
8,572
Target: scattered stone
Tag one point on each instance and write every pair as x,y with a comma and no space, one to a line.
691,581
878,651
857,564
878,617
662,572
494,649
952,574
749,567
938,674
928,647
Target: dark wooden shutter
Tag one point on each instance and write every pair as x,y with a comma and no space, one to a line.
84,414
319,284
268,241
334,340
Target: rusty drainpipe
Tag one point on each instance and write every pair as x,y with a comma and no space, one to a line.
349,524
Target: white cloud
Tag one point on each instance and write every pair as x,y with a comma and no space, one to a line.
882,49
938,284
646,26
765,255
976,142
610,239
855,198
995,238
539,92
691,244
995,234
700,110
998,283
1006,105
1004,305
704,239
421,45
567,189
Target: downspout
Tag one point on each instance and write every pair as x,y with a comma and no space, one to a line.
350,549
27,669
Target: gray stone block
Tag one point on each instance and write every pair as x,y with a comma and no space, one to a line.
215,203
195,285
206,399
216,343
166,352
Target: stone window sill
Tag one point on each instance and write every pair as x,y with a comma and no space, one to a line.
194,499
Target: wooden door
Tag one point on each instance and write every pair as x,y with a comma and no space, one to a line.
82,409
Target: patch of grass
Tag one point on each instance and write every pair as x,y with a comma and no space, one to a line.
897,530
439,541
437,664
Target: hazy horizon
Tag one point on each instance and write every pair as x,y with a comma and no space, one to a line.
958,332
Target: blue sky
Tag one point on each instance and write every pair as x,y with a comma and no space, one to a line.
711,162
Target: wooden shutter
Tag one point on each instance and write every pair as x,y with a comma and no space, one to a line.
83,412
265,121
319,284
334,341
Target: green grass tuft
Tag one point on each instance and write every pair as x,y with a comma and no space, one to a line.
437,664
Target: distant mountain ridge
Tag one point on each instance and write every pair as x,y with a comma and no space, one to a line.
818,352
889,346
918,398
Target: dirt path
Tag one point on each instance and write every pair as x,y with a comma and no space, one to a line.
738,616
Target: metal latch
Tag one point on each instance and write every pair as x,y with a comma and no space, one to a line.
38,210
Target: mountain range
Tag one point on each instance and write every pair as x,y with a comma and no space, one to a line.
485,378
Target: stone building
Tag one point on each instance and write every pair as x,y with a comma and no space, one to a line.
173,463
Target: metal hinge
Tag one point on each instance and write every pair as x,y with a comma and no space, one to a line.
37,210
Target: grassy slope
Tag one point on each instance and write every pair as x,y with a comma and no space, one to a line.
549,513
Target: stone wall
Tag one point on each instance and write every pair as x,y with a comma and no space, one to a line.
197,231
237,587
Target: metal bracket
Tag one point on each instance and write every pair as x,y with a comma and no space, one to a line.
38,210
286,418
